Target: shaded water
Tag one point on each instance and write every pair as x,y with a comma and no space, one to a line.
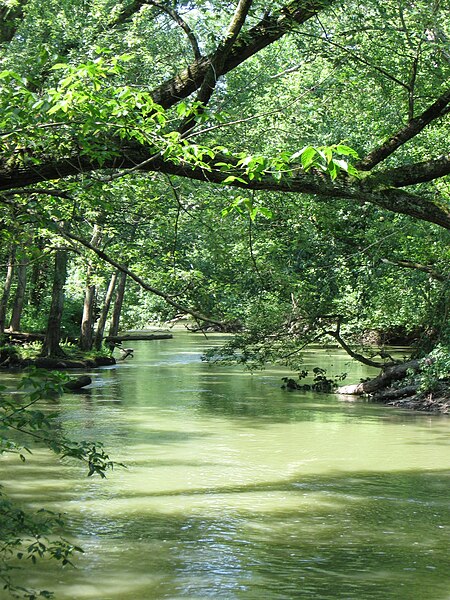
236,489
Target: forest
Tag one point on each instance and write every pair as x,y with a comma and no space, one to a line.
278,171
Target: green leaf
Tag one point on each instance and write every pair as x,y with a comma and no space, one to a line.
346,150
307,157
232,178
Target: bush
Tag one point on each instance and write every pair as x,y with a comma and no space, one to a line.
435,369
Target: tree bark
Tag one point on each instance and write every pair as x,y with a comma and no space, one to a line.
87,325
386,377
7,288
53,334
19,296
118,303
105,310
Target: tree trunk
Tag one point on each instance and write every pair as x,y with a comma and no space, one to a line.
53,334
7,288
105,310
19,297
115,320
86,333
386,377
87,321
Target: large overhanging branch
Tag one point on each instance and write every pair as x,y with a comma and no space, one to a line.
421,172
270,29
319,185
143,284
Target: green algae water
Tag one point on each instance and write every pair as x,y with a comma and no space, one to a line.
236,489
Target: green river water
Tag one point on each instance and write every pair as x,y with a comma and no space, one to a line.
236,489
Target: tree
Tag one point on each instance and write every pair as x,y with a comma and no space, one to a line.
52,340
7,287
19,296
87,320
101,324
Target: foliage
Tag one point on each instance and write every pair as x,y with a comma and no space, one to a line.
101,95
321,383
29,536
435,369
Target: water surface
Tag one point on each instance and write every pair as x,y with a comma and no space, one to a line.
236,489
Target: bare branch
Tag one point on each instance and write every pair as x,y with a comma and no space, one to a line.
361,59
336,334
182,23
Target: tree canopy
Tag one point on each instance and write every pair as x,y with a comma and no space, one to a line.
317,130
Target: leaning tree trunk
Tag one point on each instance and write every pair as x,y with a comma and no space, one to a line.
7,288
105,310
87,321
383,381
115,320
53,334
19,296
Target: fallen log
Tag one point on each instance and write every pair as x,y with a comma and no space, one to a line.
384,379
23,336
392,394
135,337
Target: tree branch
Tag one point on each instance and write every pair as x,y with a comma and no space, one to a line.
336,334
414,126
420,172
217,62
409,264
268,30
181,22
368,190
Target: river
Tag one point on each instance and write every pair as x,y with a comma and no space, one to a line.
236,489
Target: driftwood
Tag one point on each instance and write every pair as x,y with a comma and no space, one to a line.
77,384
134,337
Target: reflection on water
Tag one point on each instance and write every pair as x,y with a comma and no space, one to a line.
237,489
